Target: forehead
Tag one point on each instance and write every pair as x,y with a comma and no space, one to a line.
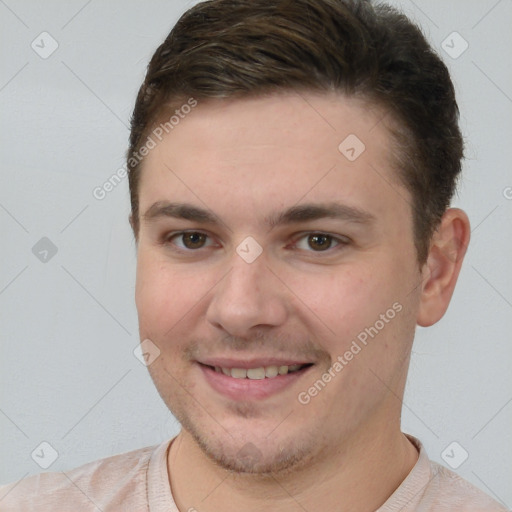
261,154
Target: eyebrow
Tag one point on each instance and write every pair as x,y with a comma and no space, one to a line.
294,214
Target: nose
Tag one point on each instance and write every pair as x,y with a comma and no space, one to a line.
248,298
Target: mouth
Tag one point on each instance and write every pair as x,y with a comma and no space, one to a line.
254,382
259,373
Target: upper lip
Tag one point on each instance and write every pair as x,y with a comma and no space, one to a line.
224,362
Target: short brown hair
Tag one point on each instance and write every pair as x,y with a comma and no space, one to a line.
243,48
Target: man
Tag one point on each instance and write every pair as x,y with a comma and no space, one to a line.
291,169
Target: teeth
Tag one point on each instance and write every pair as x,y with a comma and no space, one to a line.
283,370
238,373
271,371
258,373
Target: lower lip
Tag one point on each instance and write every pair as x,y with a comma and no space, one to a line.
249,389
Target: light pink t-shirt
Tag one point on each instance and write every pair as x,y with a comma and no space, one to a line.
138,481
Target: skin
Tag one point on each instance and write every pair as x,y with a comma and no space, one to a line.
245,160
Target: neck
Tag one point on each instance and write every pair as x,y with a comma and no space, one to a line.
358,475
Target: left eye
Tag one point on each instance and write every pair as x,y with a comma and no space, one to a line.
319,242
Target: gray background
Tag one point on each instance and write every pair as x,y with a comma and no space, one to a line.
69,325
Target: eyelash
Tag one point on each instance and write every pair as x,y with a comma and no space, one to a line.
340,241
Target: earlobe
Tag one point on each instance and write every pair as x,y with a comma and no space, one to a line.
441,270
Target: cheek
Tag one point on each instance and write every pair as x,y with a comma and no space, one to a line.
164,294
346,301
347,297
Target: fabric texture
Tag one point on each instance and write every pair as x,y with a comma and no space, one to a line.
138,481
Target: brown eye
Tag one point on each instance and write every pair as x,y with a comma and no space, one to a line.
193,240
187,240
320,242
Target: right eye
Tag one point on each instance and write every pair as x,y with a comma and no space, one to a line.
190,240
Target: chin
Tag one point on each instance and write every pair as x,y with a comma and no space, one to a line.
244,439
246,447
265,459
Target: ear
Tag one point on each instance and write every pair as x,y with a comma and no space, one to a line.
441,270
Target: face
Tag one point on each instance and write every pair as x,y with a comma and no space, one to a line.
264,245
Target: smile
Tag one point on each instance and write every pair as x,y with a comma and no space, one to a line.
252,383
262,372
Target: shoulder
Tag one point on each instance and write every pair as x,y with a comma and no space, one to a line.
431,487
113,480
450,491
